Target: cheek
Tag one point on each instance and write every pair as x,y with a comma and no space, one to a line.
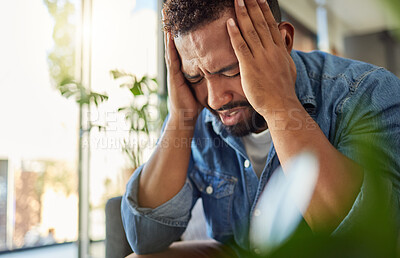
201,94
235,86
238,86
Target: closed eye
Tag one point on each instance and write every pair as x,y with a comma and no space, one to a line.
231,76
193,83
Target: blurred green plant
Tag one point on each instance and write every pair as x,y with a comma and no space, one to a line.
144,115
61,58
393,6
68,87
375,231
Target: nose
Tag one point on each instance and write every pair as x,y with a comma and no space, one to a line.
218,93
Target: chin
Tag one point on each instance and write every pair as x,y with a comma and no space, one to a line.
251,122
254,123
238,130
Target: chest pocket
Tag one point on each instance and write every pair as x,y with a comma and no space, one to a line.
217,193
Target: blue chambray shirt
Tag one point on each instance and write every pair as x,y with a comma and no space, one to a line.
349,100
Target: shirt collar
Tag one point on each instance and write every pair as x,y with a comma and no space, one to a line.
216,123
217,126
303,87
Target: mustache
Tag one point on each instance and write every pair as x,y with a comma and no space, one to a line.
234,105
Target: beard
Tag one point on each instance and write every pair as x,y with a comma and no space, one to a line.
253,123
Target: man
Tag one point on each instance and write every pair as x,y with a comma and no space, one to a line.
264,104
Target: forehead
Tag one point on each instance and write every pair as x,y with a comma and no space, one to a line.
206,49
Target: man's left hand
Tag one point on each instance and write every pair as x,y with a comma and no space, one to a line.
268,73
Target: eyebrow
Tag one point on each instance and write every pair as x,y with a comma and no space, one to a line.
222,70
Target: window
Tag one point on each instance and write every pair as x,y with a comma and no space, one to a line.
39,132
124,37
39,137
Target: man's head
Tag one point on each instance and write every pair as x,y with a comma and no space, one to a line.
208,61
184,16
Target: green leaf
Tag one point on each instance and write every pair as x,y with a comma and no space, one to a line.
135,90
67,81
144,107
144,79
68,94
122,109
118,74
126,85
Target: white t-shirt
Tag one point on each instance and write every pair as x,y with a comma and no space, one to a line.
257,146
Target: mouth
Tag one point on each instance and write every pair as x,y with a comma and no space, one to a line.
232,116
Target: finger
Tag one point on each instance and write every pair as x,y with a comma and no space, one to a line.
242,51
247,29
169,51
174,63
166,54
172,52
165,31
259,22
272,24
165,42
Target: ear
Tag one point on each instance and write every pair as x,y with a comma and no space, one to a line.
287,33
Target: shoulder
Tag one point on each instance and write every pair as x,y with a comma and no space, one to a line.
376,89
356,78
327,66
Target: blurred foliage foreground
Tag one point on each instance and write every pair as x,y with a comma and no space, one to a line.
393,7
374,231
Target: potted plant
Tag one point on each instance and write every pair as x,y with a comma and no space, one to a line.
144,115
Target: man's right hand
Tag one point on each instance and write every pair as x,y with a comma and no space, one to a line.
164,175
184,106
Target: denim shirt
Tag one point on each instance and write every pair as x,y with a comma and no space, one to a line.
349,100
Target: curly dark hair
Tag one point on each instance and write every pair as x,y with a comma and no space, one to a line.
183,16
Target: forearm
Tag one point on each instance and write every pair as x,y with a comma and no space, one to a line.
146,230
164,174
340,179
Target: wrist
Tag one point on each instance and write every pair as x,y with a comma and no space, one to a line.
177,134
279,105
289,117
181,123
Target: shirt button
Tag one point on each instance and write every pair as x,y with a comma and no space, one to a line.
209,189
257,212
246,163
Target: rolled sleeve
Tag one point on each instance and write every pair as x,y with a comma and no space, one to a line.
365,204
153,230
369,134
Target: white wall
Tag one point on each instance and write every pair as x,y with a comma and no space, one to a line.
345,18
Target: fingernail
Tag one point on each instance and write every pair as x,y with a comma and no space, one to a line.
261,1
240,3
231,22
